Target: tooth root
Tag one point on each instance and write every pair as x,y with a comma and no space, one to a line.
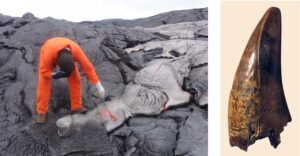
257,105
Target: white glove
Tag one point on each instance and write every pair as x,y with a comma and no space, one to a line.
100,90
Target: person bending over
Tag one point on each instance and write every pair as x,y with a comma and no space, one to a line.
57,60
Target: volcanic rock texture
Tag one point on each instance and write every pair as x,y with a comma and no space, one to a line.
122,51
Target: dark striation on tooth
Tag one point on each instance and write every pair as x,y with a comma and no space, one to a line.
257,105
147,81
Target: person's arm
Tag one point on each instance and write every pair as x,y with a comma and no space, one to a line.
59,74
85,64
89,70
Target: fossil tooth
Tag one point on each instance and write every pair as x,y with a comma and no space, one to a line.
257,105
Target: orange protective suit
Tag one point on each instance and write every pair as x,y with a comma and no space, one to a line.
48,60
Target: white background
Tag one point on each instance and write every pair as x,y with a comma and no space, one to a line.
214,78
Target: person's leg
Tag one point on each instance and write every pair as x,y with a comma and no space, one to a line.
43,94
75,89
42,98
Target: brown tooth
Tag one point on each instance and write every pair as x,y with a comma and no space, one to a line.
257,105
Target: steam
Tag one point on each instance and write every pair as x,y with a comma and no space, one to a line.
93,116
110,115
140,98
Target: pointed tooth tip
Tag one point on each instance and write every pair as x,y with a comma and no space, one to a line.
273,11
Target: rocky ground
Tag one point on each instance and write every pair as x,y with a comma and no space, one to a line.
119,51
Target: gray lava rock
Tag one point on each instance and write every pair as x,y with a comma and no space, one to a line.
171,17
182,30
164,77
29,16
36,139
171,131
130,61
143,100
197,83
192,137
159,139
